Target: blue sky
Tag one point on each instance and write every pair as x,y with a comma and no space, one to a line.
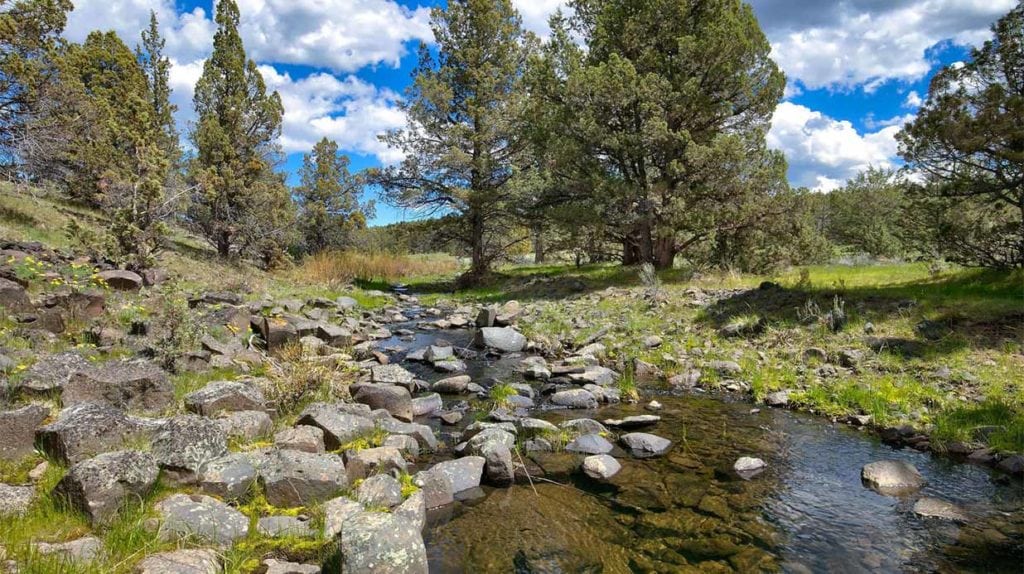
856,69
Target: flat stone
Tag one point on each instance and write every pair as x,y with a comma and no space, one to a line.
589,444
185,561
225,396
199,517
391,374
274,566
18,430
536,426
644,444
583,426
892,477
86,430
595,374
303,437
280,526
463,473
294,478
427,404
50,372
633,422
229,477
601,466
935,508
131,386
83,550
98,487
340,427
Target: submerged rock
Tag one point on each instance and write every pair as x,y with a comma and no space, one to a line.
935,508
590,444
748,466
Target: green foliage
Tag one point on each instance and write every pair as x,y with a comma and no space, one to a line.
328,198
998,422
157,68
501,395
869,213
240,203
966,142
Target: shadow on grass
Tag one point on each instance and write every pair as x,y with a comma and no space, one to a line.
980,308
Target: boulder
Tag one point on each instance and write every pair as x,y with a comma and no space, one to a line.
601,466
422,433
413,510
340,427
383,544
200,518
589,444
18,430
225,396
229,477
451,385
14,298
583,426
427,404
15,499
185,561
595,374
294,478
436,488
462,473
334,335
436,353
531,426
187,442
121,280
130,386
504,339
643,444
274,566
495,445
50,372
892,477
246,425
276,332
370,461
575,399
337,511
281,526
81,550
303,437
391,374
405,444
777,399
99,486
508,313
86,430
380,491
934,508
392,398
486,316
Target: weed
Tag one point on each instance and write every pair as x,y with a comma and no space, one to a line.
501,395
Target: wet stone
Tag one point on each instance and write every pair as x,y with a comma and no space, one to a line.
590,444
643,444
601,466
892,477
936,508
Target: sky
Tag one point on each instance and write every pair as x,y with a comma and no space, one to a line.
856,70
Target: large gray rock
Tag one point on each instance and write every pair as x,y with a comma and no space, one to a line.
391,374
202,518
436,488
125,385
425,405
337,511
86,430
366,462
462,473
595,374
225,396
935,508
589,444
49,373
422,433
601,466
294,478
13,297
413,510
380,491
99,486
892,477
392,398
575,399
303,437
185,561
186,443
15,499
340,427
246,425
334,335
495,445
583,426
451,385
383,544
80,550
280,526
642,444
229,477
121,280
18,430
633,422
274,566
504,339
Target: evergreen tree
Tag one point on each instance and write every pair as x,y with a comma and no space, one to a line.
968,143
464,139
157,69
328,198
240,202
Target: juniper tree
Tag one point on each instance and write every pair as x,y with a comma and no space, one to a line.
328,198
157,68
240,202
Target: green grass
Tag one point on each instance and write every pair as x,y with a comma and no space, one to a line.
995,422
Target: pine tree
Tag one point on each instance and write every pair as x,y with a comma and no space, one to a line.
463,142
157,69
328,198
234,137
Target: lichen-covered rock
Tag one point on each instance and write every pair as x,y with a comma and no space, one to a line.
379,491
185,561
413,510
383,544
81,550
13,297
575,399
391,375
339,426
423,434
427,404
246,425
303,437
336,512
280,526
99,486
49,373
225,396
392,398
436,488
87,429
294,478
274,566
186,443
380,460
229,477
15,499
892,477
601,466
463,473
132,386
18,430
199,517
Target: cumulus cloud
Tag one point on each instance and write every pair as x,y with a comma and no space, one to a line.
869,42
913,100
824,152
535,13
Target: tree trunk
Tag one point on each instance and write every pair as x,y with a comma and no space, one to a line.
630,252
664,253
539,254
478,265
224,244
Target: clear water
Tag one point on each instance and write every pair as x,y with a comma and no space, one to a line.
688,511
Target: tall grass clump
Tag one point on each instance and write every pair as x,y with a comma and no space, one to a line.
343,267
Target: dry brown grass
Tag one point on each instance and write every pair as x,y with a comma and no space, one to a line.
342,267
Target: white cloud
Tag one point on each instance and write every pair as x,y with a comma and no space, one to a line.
869,42
535,13
824,152
913,100
872,124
